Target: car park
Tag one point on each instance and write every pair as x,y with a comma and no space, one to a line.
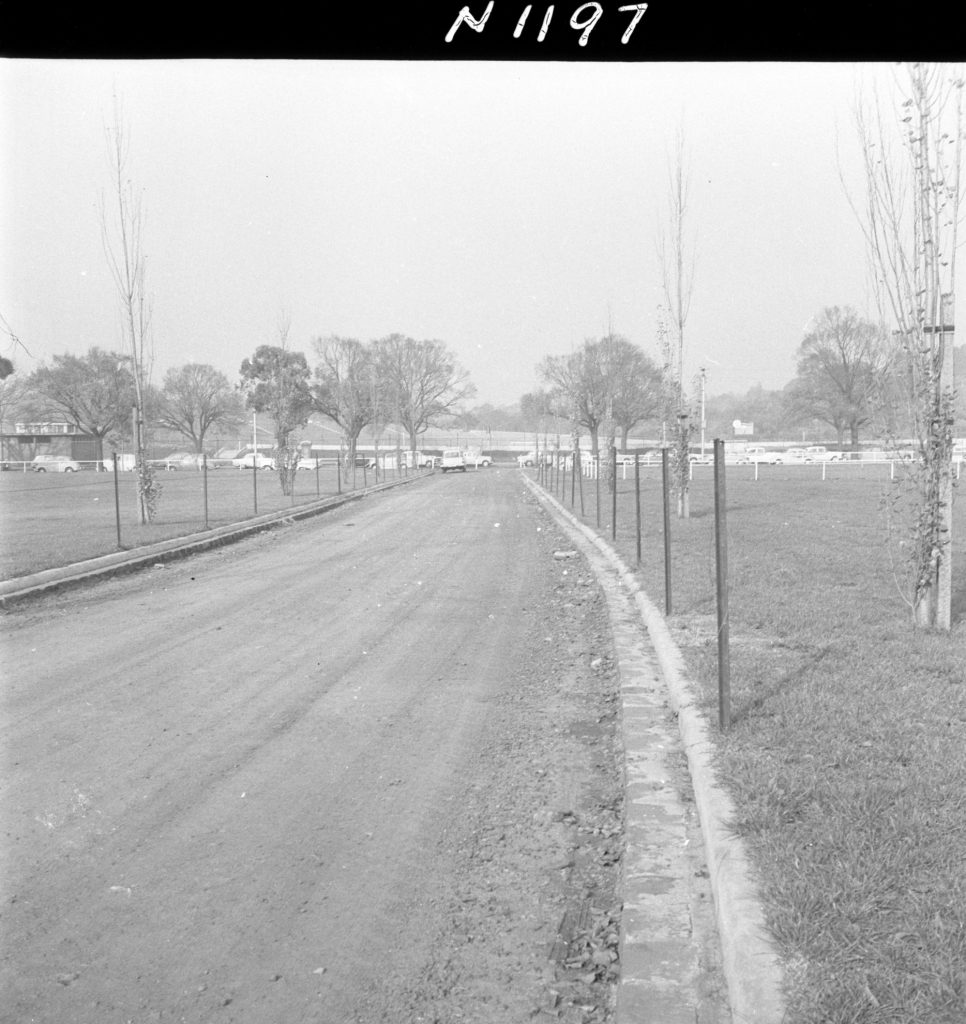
452,459
54,464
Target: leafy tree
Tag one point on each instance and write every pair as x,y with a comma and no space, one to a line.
276,381
94,392
420,382
345,388
196,397
841,361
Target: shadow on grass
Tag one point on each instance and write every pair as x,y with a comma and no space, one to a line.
780,686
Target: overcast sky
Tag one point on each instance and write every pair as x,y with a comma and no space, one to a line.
510,210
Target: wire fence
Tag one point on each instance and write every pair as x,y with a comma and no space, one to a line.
51,519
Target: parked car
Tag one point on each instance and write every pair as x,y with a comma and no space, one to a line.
699,459
530,459
452,459
475,457
418,460
54,464
792,456
758,455
181,460
225,457
254,458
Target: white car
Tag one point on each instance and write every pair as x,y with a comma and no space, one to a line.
452,459
755,456
530,459
253,460
792,456
54,464
475,457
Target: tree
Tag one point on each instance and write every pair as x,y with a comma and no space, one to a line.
636,388
14,391
94,392
276,381
420,382
121,235
605,385
676,258
196,397
910,220
841,362
575,391
344,387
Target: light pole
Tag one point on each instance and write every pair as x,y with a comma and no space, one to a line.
703,374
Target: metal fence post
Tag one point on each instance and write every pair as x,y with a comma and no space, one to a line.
204,484
665,496
721,560
637,501
613,517
117,502
597,484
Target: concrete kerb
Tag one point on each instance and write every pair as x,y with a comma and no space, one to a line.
750,962
25,587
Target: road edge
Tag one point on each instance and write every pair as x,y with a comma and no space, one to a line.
751,964
23,588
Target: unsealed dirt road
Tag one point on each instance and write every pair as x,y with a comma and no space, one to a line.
360,768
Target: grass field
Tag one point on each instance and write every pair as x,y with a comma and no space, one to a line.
847,754
52,519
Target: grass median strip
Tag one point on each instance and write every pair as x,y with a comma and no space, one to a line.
846,758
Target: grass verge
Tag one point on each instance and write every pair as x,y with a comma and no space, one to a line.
48,520
846,757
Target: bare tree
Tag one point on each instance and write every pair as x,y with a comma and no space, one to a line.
196,397
420,382
910,220
676,258
121,232
344,387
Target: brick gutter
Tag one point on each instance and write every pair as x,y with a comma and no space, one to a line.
750,961
23,588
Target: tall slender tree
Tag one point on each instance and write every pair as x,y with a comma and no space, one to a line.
121,232
910,219
676,257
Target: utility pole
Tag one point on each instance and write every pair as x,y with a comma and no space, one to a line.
703,375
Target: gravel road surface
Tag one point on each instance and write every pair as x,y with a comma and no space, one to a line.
360,768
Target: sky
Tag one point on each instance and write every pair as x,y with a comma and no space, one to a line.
508,209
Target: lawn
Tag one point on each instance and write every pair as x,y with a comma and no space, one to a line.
847,753
52,519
